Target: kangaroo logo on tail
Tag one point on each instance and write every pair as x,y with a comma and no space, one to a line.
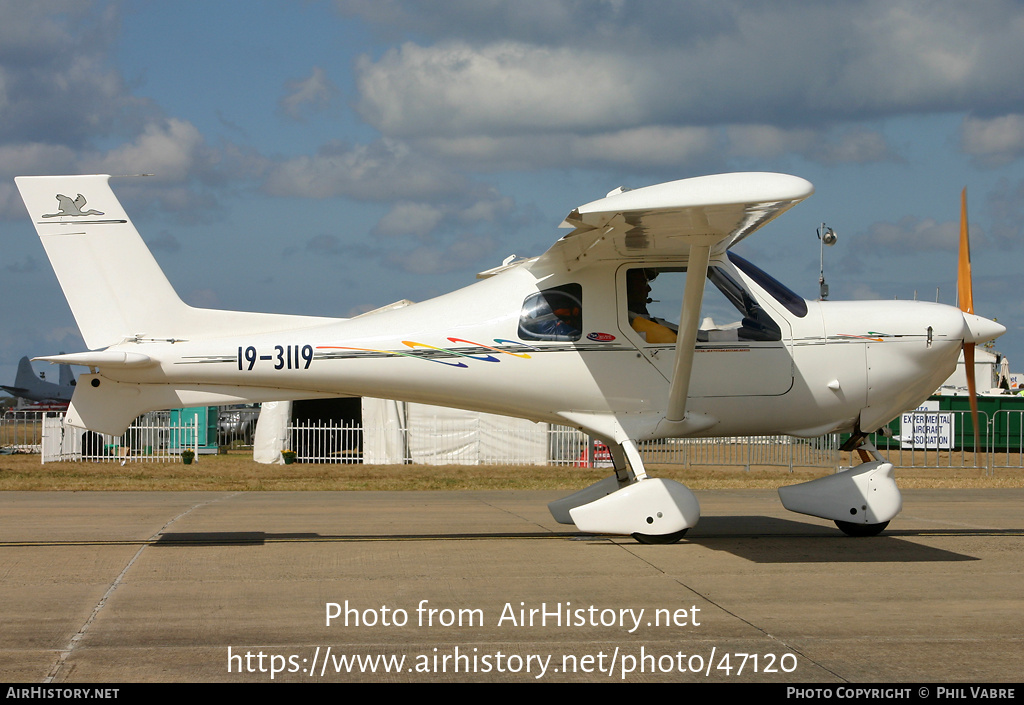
69,207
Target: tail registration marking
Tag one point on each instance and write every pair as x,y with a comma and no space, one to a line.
291,357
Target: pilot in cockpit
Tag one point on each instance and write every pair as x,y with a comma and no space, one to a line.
724,294
651,329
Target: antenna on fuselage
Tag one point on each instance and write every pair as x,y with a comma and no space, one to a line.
827,236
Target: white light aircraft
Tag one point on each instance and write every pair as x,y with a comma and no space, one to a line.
566,338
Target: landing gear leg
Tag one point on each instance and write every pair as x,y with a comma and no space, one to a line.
651,510
623,473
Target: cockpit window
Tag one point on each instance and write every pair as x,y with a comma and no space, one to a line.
553,314
794,303
654,299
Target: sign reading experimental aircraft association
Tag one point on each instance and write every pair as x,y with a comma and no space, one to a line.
926,427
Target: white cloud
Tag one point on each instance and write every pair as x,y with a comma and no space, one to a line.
612,69
855,145
995,141
911,236
203,298
404,218
326,244
658,147
29,159
489,208
1006,202
315,93
420,220
61,334
650,146
454,89
458,254
35,158
165,241
767,141
169,150
58,81
382,171
653,146
861,291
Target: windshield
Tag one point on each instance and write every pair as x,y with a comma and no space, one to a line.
794,303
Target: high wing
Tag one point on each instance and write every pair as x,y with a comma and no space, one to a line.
667,219
692,218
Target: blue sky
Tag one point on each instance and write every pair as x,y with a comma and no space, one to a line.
331,157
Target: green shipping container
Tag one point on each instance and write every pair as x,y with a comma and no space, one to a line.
182,435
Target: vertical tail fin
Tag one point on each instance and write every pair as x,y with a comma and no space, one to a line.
114,286
67,377
116,289
26,377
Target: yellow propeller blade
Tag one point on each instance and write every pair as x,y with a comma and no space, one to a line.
965,294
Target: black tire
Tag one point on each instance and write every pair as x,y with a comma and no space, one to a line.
660,538
851,529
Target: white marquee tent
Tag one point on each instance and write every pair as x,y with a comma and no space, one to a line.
398,432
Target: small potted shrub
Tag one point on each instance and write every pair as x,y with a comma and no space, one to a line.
187,456
289,456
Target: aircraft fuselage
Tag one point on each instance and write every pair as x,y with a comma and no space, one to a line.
831,365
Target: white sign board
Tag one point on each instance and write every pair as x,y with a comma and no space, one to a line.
926,427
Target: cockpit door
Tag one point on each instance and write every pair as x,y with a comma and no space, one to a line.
743,346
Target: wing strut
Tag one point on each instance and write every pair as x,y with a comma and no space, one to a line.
686,339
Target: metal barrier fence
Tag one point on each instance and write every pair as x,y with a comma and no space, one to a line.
326,442
22,431
1008,426
940,439
464,443
926,439
743,451
151,438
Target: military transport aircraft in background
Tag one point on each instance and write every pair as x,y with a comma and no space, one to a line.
28,385
567,337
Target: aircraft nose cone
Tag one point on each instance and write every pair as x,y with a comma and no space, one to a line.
981,330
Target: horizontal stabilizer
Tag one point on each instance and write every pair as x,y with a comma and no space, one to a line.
100,359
